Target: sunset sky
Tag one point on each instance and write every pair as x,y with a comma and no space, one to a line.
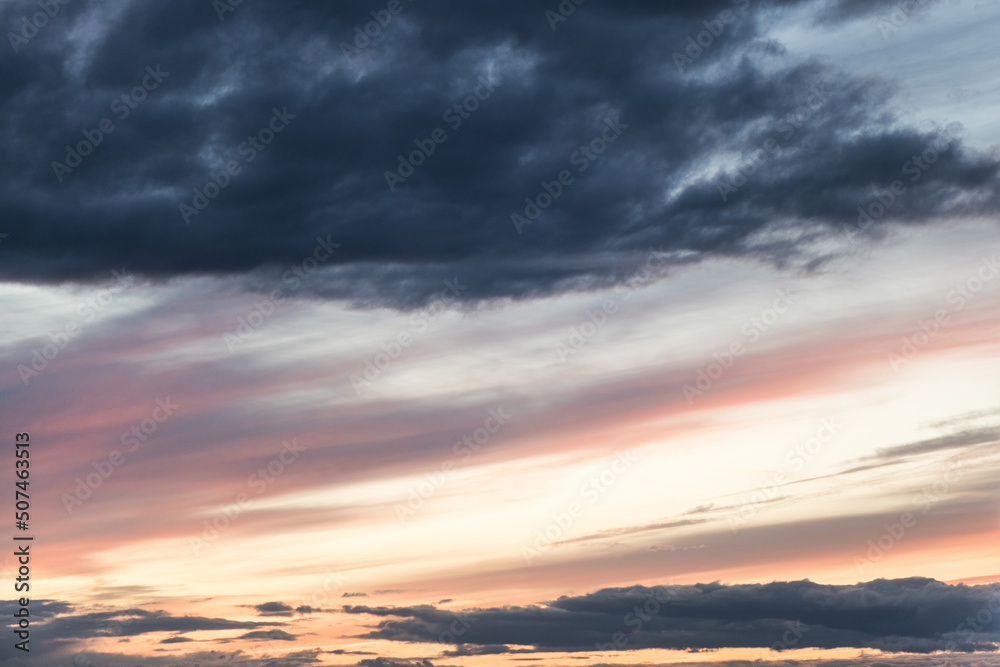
593,333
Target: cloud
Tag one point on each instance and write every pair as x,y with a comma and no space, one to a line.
394,662
279,635
609,70
965,439
302,658
306,609
490,649
40,609
132,623
633,530
46,658
914,615
964,445
273,609
863,660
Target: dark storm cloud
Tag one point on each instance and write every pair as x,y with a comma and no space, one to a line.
490,649
394,662
59,632
306,609
903,615
273,609
863,660
207,84
234,658
134,622
277,635
40,609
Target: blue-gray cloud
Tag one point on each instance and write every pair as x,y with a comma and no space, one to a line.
551,95
912,615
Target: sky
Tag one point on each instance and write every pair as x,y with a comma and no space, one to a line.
413,334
